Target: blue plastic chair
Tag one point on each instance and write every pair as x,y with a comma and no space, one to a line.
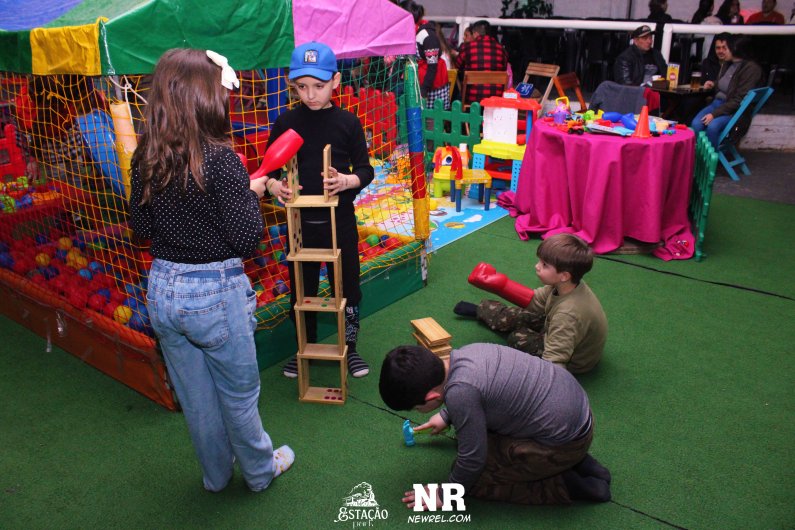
727,150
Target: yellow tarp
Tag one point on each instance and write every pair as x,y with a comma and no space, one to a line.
66,50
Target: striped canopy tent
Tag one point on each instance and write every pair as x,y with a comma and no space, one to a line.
115,37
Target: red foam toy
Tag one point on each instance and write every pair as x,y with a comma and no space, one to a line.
280,151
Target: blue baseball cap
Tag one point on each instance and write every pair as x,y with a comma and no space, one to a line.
314,59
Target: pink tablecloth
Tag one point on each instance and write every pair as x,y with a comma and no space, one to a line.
604,188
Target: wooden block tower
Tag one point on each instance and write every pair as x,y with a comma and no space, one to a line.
431,335
335,304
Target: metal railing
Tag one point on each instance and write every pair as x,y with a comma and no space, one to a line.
620,25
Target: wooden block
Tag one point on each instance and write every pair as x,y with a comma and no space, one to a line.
326,396
445,351
313,201
324,352
326,165
434,334
434,348
442,351
314,303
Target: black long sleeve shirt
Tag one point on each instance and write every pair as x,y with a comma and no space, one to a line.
349,155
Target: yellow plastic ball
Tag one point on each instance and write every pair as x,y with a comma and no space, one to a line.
42,259
122,314
65,243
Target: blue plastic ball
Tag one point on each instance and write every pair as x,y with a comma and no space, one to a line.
49,272
6,261
133,291
79,242
132,302
136,322
25,201
280,288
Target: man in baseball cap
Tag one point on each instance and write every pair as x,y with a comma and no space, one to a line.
641,31
636,65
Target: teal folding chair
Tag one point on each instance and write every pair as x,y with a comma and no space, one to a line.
727,150
701,193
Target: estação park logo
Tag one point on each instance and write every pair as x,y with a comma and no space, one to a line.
360,508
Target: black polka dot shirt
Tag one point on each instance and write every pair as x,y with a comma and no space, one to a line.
191,226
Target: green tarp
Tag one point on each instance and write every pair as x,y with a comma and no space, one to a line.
133,34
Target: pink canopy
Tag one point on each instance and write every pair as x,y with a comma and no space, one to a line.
355,28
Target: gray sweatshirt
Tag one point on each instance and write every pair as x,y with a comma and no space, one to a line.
494,388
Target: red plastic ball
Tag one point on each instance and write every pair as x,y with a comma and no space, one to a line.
117,297
96,302
109,309
78,298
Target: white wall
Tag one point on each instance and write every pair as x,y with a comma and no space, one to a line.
679,9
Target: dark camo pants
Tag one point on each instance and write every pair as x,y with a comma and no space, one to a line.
523,327
527,472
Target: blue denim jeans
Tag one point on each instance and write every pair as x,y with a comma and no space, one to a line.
204,319
715,127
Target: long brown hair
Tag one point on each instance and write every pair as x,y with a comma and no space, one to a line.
187,108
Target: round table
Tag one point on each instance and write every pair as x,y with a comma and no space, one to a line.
604,188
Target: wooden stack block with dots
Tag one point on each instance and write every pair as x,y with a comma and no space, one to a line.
299,255
431,335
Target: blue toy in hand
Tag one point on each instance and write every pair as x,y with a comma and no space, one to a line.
408,434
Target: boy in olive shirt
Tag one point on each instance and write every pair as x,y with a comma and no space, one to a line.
561,322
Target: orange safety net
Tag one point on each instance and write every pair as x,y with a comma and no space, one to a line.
65,148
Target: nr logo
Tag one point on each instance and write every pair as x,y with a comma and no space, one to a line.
450,493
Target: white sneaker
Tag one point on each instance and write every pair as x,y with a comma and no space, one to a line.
283,458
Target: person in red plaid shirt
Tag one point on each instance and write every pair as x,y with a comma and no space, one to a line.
432,70
481,53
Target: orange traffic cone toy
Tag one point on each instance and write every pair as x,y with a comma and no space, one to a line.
642,128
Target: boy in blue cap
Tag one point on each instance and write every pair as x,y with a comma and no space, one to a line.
314,76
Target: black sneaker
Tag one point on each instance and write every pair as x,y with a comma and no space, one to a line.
291,368
357,367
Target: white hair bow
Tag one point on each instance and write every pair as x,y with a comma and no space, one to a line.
228,76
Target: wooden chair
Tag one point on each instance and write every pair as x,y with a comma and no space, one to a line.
452,78
542,70
568,81
482,77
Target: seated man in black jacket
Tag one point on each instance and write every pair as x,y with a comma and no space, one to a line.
637,64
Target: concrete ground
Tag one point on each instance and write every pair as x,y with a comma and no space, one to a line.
772,177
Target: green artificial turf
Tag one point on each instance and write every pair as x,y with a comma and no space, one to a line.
694,407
